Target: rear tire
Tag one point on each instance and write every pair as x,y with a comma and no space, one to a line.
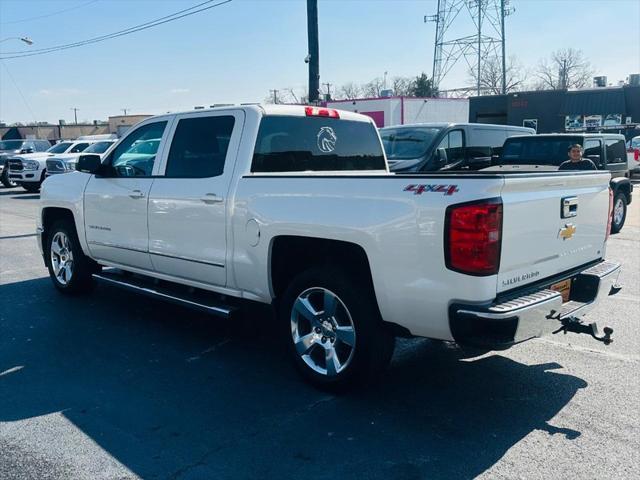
619,213
70,269
334,333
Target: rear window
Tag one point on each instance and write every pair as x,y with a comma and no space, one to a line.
60,147
537,150
298,144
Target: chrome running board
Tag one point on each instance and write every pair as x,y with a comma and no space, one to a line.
182,295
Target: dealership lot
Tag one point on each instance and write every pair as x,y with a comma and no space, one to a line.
119,386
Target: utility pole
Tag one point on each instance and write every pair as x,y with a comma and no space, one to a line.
314,50
275,95
504,53
479,43
124,110
328,85
75,113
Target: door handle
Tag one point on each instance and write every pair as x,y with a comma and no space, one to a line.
136,194
211,198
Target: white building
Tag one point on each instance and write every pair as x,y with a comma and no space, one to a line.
404,110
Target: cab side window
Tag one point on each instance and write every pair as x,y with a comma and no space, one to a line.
593,151
616,153
453,144
199,147
79,148
136,154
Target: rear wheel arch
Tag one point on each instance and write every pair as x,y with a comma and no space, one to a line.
291,255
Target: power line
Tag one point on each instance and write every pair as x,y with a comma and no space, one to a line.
15,84
58,12
137,28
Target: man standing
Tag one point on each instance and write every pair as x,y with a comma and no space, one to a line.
576,162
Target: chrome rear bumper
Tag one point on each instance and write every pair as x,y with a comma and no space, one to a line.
528,314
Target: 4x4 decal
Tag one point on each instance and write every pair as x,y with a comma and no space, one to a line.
420,189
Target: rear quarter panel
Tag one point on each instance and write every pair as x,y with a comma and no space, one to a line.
400,232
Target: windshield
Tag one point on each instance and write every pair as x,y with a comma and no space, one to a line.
537,150
407,143
99,147
11,144
60,147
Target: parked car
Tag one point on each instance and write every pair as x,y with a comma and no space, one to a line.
548,151
427,147
633,155
294,207
12,147
66,162
29,170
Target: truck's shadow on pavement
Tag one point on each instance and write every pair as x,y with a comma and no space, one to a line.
171,394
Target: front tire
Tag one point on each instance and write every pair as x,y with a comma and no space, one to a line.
334,332
619,213
31,187
4,178
70,269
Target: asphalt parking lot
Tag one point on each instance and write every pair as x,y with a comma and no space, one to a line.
117,386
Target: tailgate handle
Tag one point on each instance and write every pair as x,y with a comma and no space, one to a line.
569,207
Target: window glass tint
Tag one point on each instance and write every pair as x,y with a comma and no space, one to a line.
135,155
536,150
79,148
60,147
11,144
297,144
452,144
42,146
592,150
199,147
98,147
407,143
616,153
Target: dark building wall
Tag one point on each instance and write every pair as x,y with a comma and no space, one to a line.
543,106
489,109
632,101
550,107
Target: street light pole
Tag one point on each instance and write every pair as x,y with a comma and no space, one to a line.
314,50
75,114
26,40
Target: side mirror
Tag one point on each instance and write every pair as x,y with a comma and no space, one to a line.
89,163
26,150
440,156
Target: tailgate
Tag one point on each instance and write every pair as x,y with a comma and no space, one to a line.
551,223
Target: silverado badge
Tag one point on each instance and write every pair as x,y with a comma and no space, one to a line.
567,231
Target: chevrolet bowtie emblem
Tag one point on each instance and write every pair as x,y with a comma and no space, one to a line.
567,232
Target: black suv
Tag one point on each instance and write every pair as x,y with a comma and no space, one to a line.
13,147
606,150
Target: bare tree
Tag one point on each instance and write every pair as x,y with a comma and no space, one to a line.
567,68
349,91
491,75
373,88
402,86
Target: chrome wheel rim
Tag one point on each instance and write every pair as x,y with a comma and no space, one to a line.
322,331
61,258
618,211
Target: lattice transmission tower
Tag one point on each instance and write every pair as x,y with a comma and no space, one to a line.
483,23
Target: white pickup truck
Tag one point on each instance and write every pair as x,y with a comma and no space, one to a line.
295,207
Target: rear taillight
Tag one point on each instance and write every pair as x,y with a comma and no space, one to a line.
321,112
610,217
473,237
636,154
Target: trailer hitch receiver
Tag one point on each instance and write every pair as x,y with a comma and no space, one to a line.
574,325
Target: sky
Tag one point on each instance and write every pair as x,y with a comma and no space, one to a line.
239,51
